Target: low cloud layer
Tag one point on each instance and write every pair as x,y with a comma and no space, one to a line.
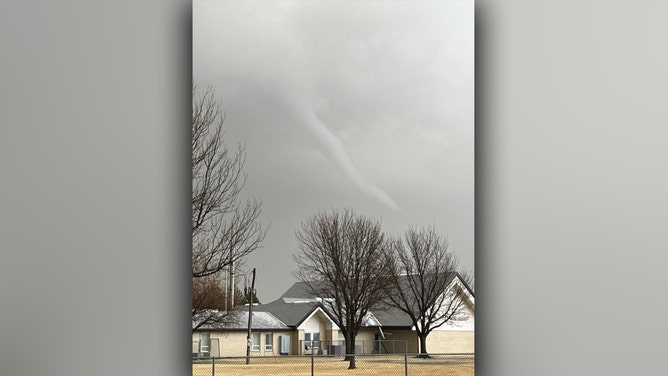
382,90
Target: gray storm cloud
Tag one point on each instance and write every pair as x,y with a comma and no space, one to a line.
286,69
381,84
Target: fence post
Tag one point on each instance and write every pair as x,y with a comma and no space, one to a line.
213,366
406,363
312,367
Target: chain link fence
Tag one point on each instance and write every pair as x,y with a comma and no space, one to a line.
338,347
332,365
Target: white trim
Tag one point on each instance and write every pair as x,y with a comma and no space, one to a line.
302,326
259,341
371,317
270,346
461,285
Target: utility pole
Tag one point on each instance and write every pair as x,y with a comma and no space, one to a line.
250,319
231,286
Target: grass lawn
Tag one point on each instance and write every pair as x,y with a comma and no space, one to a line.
331,366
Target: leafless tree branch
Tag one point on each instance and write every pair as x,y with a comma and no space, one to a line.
225,229
342,259
424,272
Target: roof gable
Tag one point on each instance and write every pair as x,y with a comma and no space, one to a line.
316,310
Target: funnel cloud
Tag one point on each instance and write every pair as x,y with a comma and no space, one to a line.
365,105
334,149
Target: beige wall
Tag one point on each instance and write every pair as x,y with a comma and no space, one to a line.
451,341
365,339
365,335
404,335
296,340
320,323
225,343
233,343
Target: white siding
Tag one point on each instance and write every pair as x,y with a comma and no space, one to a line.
312,325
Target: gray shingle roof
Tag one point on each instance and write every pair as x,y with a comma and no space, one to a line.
393,317
238,320
297,303
292,314
293,306
298,290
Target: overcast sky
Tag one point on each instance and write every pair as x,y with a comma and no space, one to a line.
367,105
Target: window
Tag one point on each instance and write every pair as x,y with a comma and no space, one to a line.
204,339
311,341
256,342
267,342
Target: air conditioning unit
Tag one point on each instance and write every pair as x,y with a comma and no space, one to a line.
285,345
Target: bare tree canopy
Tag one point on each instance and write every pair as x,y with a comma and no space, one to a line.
426,284
211,303
343,259
225,229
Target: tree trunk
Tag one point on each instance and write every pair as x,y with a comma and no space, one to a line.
351,352
346,344
423,345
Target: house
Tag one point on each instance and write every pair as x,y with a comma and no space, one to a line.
229,338
314,328
294,324
451,337
298,323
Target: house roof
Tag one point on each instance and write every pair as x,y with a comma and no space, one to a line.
394,317
291,313
298,302
238,320
294,306
302,291
298,290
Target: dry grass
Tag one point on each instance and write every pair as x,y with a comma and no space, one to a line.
334,366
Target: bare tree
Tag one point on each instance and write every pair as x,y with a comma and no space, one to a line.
343,260
225,229
427,284
211,303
